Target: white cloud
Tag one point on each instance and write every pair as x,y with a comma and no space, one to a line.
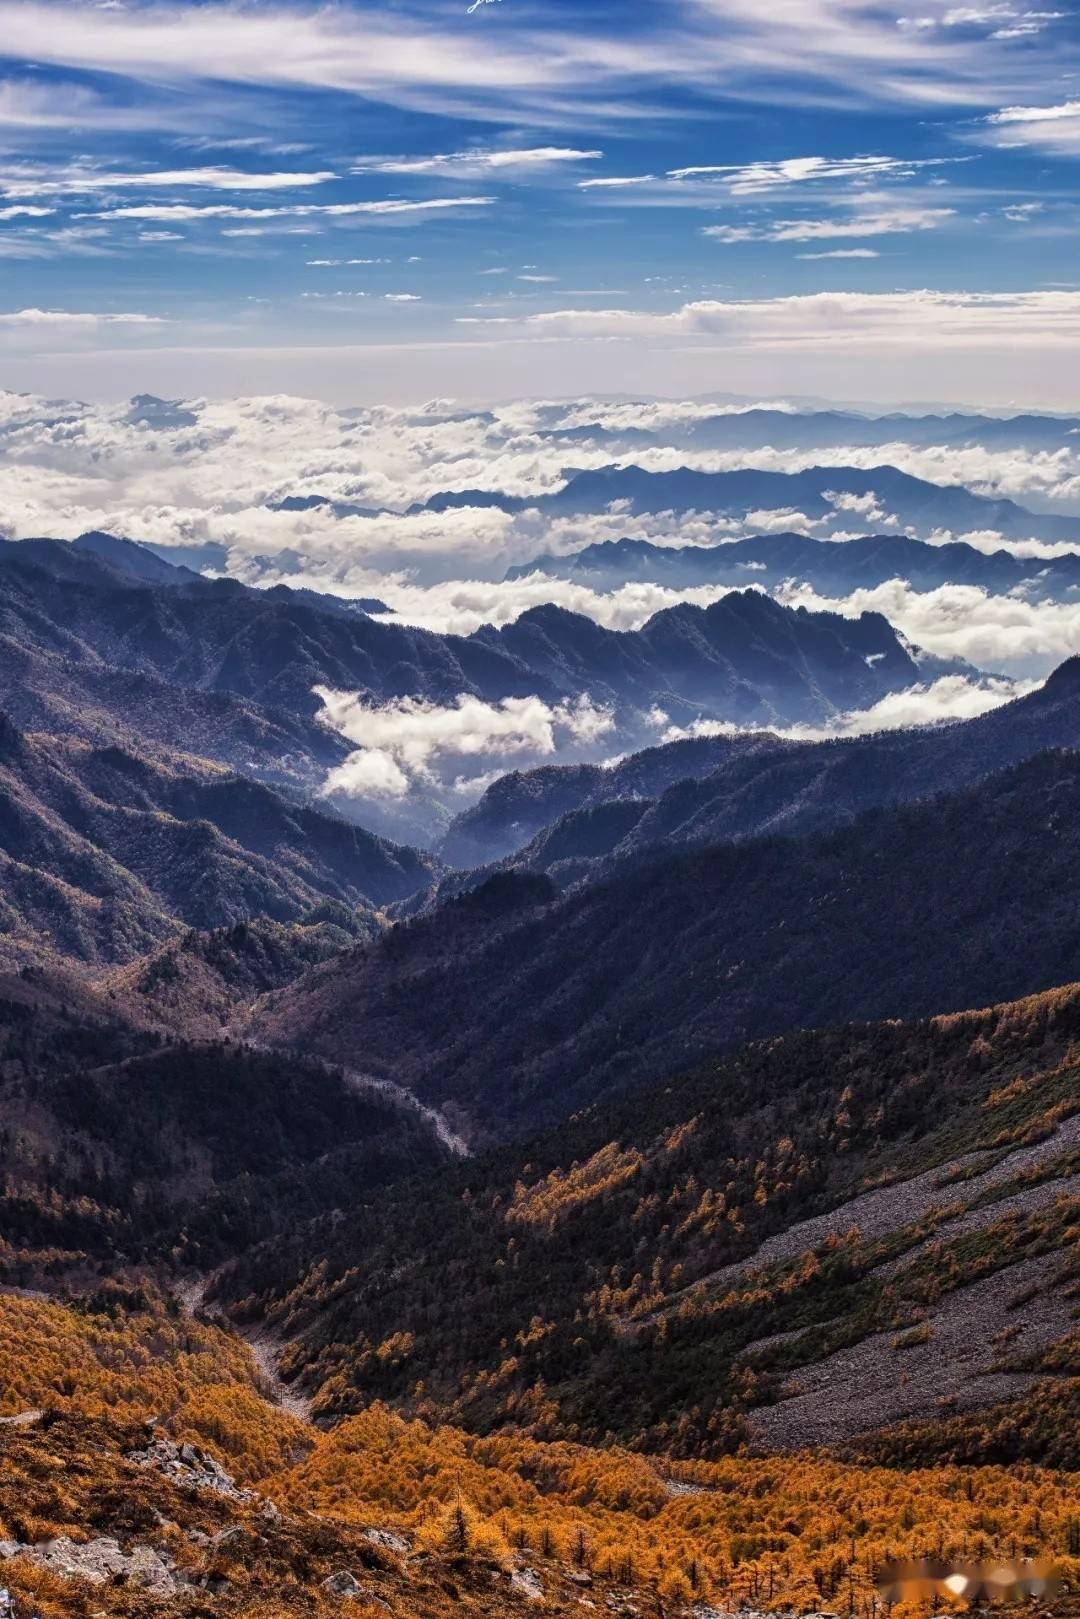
413,745
869,321
615,182
1002,633
749,179
843,253
26,105
70,317
951,698
35,243
1062,113
997,21
588,66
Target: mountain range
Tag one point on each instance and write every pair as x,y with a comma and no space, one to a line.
748,1252
106,853
719,788
763,428
98,642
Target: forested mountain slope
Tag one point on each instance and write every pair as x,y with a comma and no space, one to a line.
192,985
268,647
120,1147
711,789
163,1479
106,853
515,1002
522,803
703,1262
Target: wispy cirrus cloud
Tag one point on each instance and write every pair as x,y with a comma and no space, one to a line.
387,208
80,181
1000,21
877,222
1051,129
428,60
38,109
73,318
477,161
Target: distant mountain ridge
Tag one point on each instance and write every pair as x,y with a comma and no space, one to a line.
918,506
830,567
762,428
744,658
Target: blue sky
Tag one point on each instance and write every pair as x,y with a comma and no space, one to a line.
389,201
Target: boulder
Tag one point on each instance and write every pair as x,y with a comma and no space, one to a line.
526,1582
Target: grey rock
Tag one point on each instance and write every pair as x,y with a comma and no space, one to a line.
100,1560
342,1583
526,1582
188,1464
388,1539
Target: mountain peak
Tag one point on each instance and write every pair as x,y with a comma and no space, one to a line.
1064,681
130,558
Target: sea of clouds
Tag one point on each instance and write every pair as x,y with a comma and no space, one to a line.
201,478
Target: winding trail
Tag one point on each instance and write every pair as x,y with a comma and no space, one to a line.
406,1099
398,1094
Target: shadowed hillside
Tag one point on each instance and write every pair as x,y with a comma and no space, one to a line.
531,1010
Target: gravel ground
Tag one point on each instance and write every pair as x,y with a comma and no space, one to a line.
872,1383
1039,1196
890,1208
